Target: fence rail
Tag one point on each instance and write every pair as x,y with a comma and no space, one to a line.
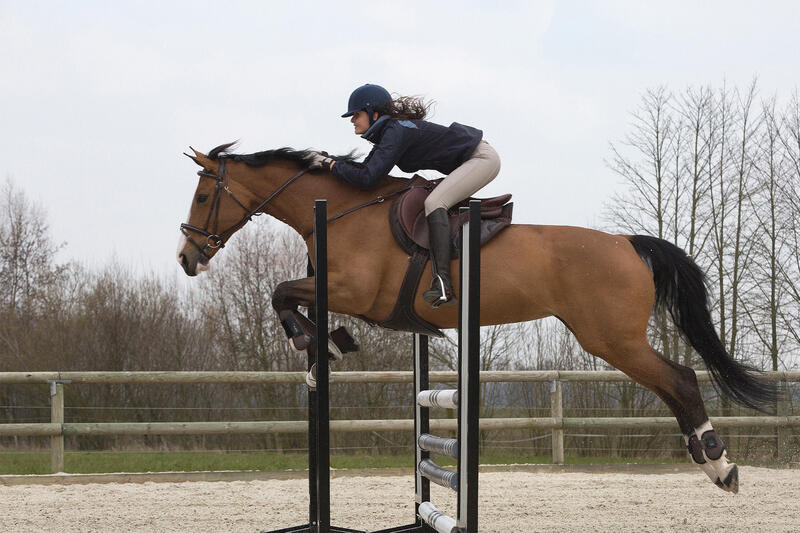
487,376
557,423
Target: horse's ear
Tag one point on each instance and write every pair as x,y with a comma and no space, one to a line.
199,158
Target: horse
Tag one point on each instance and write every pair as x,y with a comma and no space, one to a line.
603,287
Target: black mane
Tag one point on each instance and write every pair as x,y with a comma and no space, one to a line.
259,159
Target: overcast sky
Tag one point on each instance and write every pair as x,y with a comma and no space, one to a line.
99,99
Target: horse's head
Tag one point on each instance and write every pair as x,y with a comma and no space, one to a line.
216,212
232,189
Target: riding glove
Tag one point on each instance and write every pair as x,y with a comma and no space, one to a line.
319,160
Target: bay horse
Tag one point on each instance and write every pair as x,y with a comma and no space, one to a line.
603,287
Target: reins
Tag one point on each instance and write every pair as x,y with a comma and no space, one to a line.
380,199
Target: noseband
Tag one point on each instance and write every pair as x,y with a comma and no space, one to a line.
215,239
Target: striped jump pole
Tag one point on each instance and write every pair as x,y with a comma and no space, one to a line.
438,398
421,427
466,399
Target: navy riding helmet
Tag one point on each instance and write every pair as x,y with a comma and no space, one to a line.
368,98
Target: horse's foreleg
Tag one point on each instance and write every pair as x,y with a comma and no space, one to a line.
300,331
286,297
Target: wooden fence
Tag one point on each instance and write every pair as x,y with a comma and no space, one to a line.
556,422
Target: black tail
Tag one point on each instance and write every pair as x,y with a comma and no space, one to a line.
680,287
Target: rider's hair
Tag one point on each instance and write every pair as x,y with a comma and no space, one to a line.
407,108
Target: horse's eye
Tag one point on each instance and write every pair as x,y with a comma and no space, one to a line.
201,198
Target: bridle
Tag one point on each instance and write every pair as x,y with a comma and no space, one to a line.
215,239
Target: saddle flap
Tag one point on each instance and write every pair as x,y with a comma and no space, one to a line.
410,206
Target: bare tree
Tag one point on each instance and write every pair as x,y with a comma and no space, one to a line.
789,135
643,161
720,196
768,205
28,271
27,252
741,247
697,127
235,297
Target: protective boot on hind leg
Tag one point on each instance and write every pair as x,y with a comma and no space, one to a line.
441,292
708,452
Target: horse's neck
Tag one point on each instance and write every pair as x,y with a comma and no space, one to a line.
295,205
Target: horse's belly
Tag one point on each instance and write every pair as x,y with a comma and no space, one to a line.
514,272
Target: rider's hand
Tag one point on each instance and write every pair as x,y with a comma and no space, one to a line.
320,160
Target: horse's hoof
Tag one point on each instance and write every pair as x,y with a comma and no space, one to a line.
311,377
731,482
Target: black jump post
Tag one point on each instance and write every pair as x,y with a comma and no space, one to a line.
464,481
319,451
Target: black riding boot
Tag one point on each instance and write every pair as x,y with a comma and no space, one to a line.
441,291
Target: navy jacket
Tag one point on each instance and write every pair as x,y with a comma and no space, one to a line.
412,145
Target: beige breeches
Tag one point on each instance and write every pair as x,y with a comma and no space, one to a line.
481,168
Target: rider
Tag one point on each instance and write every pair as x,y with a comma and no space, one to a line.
401,137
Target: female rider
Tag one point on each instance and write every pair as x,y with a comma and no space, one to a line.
401,137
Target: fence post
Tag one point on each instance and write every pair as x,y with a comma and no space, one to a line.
57,417
557,413
782,445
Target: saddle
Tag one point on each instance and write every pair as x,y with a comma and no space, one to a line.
410,229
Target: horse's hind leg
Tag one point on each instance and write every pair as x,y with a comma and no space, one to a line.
677,386
705,448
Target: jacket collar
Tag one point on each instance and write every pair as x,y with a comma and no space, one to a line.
372,133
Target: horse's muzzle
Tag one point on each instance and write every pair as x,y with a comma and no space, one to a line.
184,262
193,265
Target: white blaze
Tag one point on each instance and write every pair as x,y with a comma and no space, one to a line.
181,243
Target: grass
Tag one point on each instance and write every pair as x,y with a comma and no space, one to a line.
38,462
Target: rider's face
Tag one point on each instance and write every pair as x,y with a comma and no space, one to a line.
360,121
